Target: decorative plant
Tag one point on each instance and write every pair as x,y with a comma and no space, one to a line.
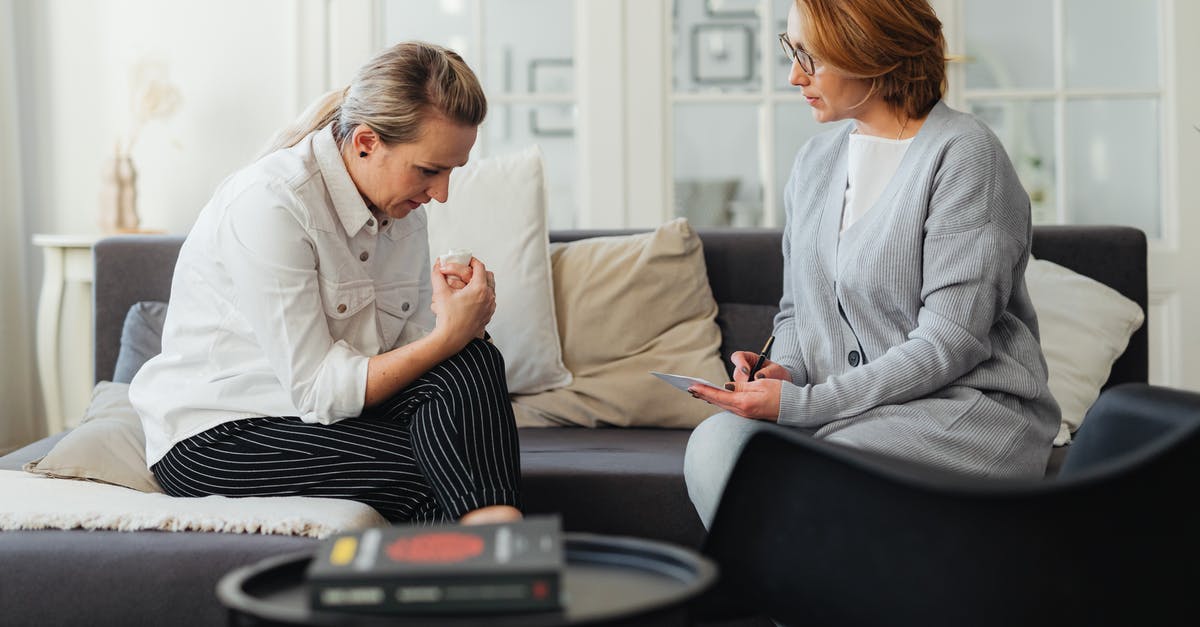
153,97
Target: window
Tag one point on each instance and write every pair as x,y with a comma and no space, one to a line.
1073,90
737,122
648,109
527,67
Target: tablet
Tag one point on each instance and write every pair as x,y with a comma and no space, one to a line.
683,382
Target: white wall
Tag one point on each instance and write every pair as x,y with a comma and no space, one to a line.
238,66
17,391
233,61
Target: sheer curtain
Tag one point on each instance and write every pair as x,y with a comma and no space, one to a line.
18,383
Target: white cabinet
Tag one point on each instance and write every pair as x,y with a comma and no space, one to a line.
65,313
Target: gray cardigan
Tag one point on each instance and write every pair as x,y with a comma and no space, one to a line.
912,333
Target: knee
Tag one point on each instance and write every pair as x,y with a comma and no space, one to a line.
712,449
484,348
479,365
483,357
709,445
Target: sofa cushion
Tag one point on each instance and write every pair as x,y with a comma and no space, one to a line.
108,446
1084,327
627,306
626,481
497,209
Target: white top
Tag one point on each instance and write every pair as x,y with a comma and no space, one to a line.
872,163
284,288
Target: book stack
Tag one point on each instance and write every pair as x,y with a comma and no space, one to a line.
411,569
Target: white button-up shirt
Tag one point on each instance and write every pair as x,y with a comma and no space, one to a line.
284,288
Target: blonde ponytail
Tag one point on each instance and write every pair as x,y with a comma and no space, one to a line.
392,95
319,114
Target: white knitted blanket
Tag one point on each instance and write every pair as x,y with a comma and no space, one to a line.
29,501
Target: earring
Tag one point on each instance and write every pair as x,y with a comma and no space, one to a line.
363,154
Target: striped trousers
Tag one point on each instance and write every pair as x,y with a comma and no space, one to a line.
444,445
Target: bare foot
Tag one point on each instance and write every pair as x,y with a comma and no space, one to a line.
491,514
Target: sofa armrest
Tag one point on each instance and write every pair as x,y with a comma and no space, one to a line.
17,459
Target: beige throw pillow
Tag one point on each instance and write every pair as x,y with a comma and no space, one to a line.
1085,326
626,306
108,445
497,209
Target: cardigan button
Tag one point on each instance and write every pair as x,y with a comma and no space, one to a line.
853,358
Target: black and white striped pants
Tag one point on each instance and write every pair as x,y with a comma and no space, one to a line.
444,445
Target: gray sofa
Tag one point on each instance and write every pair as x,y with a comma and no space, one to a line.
615,481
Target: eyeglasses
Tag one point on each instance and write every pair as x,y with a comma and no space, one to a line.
798,53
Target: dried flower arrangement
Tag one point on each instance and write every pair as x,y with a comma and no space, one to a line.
153,97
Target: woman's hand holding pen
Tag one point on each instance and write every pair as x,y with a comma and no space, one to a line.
743,362
464,312
756,387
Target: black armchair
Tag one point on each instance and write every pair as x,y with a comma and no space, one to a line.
814,533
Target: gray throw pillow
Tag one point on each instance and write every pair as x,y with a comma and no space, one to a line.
141,338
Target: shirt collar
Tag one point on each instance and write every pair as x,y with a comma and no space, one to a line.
384,223
347,201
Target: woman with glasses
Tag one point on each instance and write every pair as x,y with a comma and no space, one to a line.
905,327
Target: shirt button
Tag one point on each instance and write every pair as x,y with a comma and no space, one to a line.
364,256
341,309
370,221
384,223
404,307
853,358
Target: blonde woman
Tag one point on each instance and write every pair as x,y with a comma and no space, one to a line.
309,348
905,327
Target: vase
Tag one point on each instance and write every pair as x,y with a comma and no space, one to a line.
118,195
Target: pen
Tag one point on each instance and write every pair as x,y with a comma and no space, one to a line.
761,357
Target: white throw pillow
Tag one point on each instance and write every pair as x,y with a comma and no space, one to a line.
497,209
1085,326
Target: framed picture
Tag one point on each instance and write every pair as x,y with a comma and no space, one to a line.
552,76
722,54
731,8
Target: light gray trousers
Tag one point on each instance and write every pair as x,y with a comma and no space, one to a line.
712,450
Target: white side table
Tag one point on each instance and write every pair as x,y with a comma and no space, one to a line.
68,262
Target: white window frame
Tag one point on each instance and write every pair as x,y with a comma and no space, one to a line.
623,61
961,98
622,80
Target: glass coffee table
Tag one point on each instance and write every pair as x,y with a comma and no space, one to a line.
609,580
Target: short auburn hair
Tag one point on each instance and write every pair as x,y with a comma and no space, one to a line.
896,44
